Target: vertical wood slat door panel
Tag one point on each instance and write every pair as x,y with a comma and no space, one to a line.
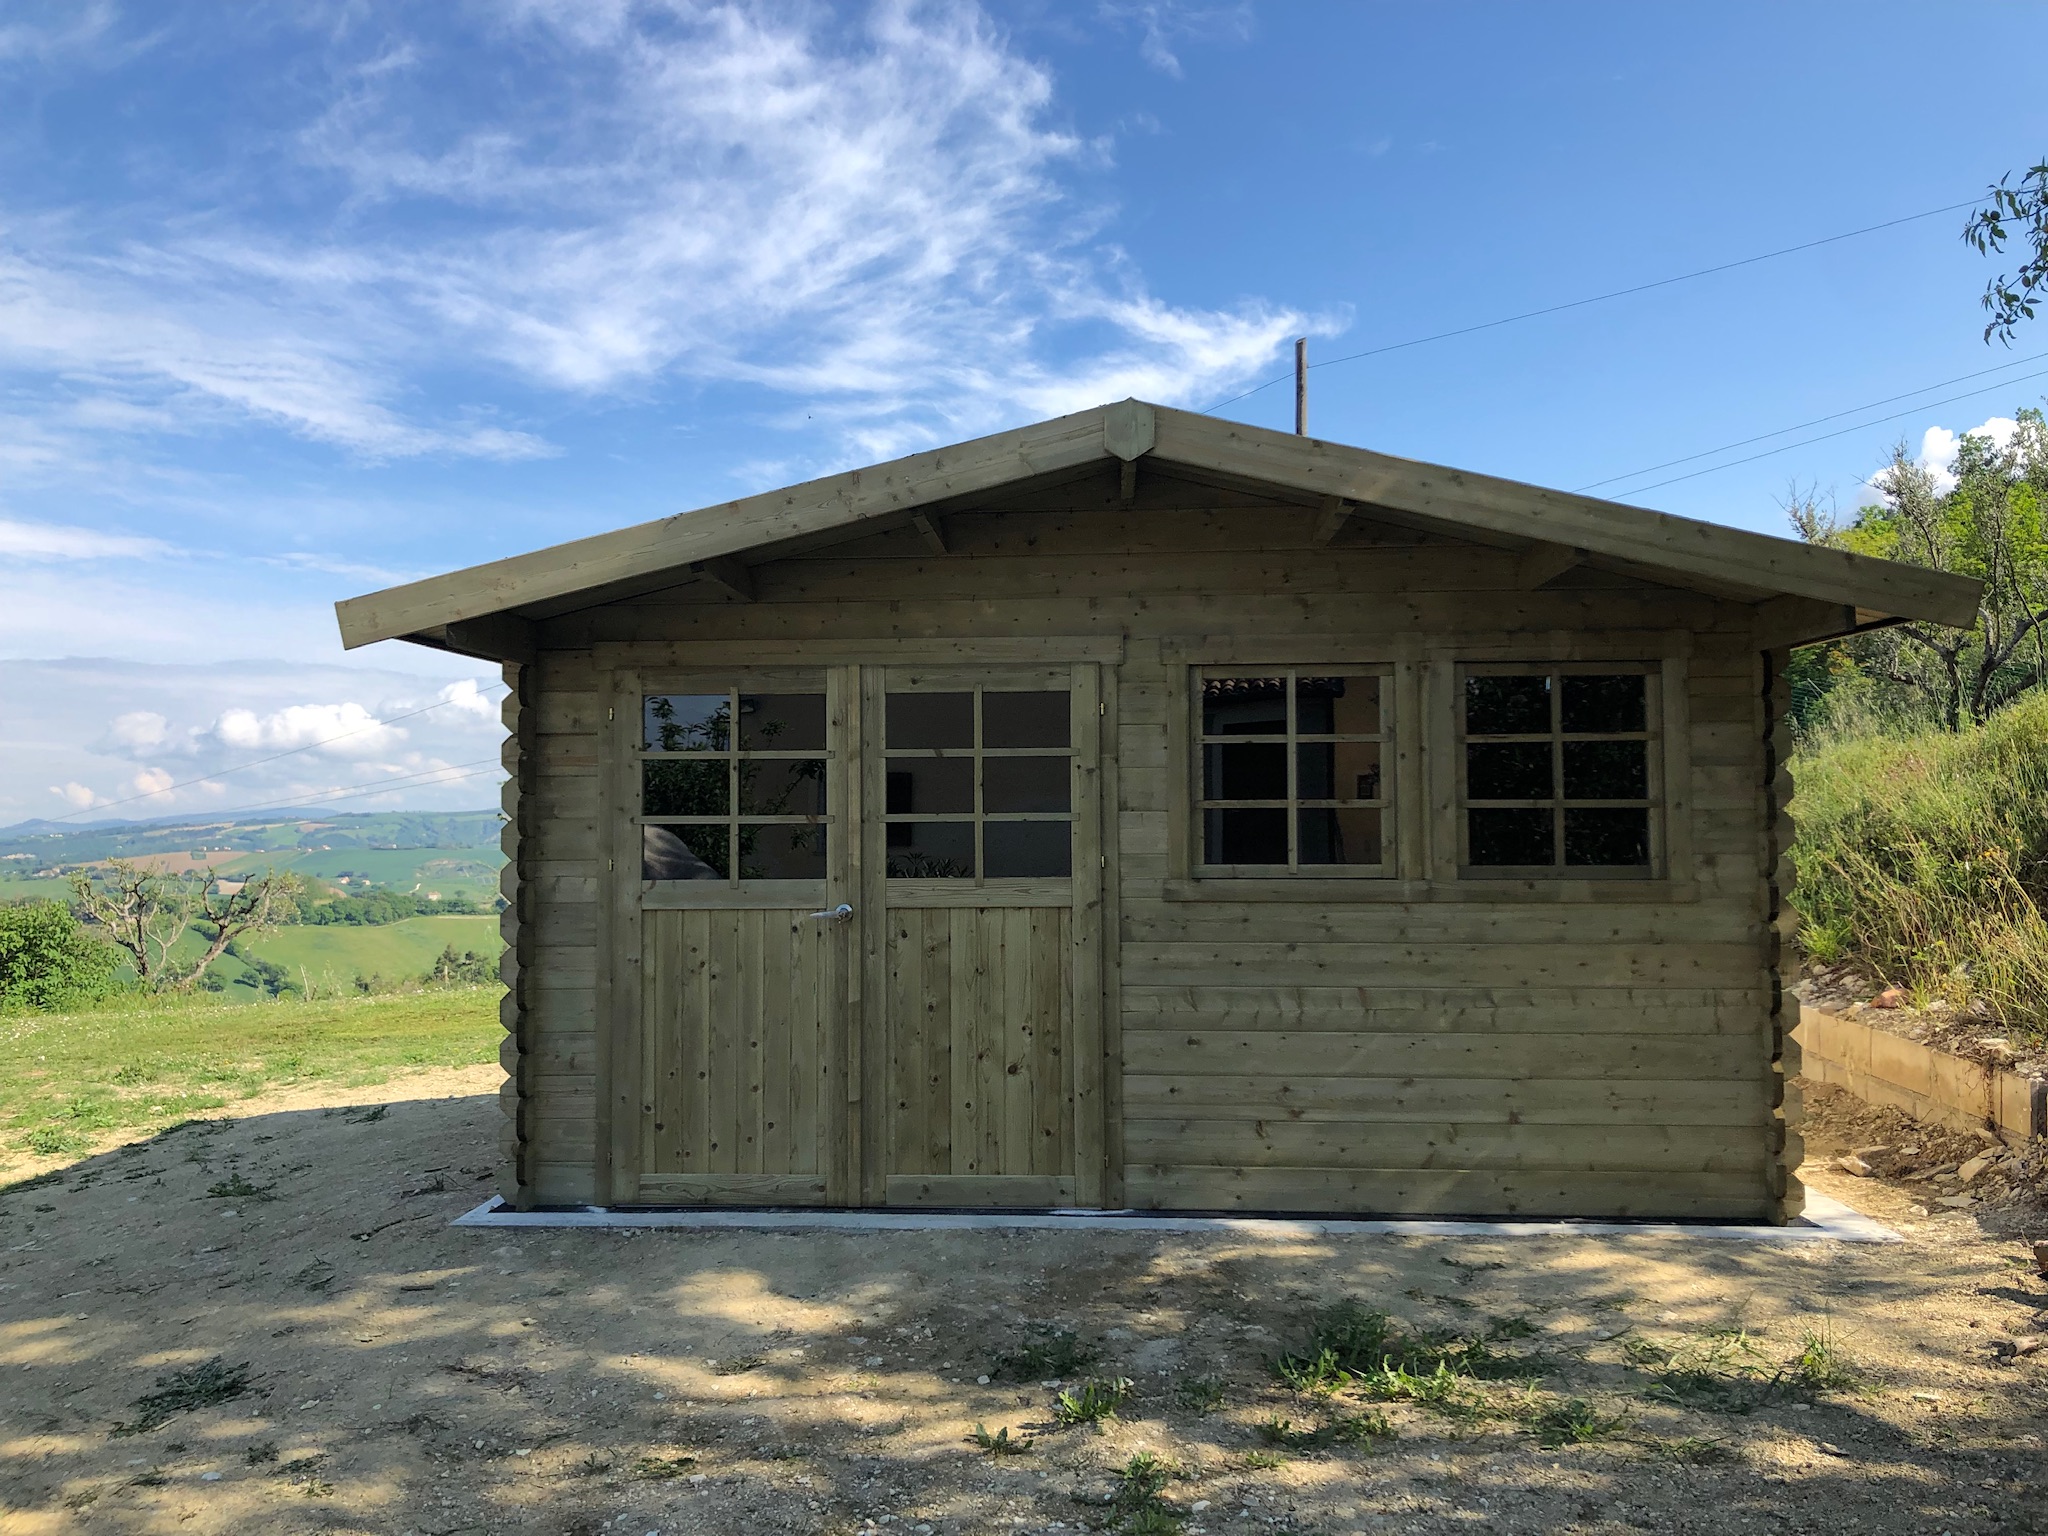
736,1050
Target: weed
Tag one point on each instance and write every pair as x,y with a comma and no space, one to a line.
262,1453
1822,1365
148,1480
1263,1461
1140,1509
1719,1371
1093,1402
1202,1394
1000,1443
1574,1421
1500,1329
54,1141
739,1365
658,1469
1320,1376
1696,1450
197,1386
1353,1345
1438,1387
235,1187
1353,1429
1048,1354
593,1465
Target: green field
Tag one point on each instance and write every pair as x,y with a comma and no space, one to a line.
333,957
74,1076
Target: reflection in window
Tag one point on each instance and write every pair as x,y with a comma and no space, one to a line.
720,804
1291,774
978,785
1557,768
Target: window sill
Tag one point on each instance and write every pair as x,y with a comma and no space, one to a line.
1419,892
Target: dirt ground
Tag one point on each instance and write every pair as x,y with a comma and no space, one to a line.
379,1371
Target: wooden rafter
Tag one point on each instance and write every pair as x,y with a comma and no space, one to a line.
726,572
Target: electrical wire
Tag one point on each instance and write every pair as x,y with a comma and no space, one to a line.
1854,410
1599,298
317,798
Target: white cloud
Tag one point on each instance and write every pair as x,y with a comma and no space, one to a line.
140,730
77,796
1160,22
1938,448
340,730
52,541
465,697
151,784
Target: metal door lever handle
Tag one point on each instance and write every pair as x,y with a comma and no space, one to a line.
838,914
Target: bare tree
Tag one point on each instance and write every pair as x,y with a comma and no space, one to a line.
146,914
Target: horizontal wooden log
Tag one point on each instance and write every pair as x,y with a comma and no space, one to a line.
1284,1143
1593,1058
1583,964
1430,1192
1408,1011
1018,1191
1318,1099
732,1189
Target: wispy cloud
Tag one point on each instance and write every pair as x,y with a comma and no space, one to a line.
51,541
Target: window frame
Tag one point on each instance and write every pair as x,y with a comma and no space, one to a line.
1655,803
1387,803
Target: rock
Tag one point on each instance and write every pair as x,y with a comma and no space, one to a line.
1854,1166
2041,1257
1974,1168
1956,1202
2027,1344
1869,1152
1890,997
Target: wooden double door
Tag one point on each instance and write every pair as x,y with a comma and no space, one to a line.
857,947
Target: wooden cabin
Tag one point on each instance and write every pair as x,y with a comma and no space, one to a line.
1142,810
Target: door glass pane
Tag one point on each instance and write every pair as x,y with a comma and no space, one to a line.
932,850
1028,850
1614,837
684,853
1510,837
1244,706
782,722
1339,706
781,851
1024,719
782,786
1244,837
1025,784
1603,703
929,720
1337,770
685,722
1606,770
930,786
1508,770
1248,770
1339,836
678,787
1507,706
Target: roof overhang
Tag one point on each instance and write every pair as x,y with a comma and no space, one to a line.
486,610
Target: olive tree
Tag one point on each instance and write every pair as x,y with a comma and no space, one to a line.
147,913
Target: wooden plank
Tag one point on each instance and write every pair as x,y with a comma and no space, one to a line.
1221,964
932,529
779,1040
867,1093
1543,563
728,575
1330,521
990,980
1407,1192
810,996
731,1189
981,1192
1221,920
1017,1028
750,1026
693,1030
1319,1098
1410,1011
1075,1077
906,1043
725,1047
661,1085
1598,1057
846,1003
1107,1121
964,1097
616,944
1281,1143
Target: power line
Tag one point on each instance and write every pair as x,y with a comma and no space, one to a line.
1600,298
1872,405
1989,389
318,798
274,757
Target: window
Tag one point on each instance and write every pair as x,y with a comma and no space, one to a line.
1557,768
1293,772
978,785
719,802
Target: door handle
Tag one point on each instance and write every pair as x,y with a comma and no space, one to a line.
838,914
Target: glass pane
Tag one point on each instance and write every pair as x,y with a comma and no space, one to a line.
1606,770
1244,706
1607,837
782,722
1250,770
1341,706
781,852
685,722
930,720
1024,784
1244,837
1337,770
931,850
683,853
930,786
1338,837
1024,719
1028,850
782,786
1507,706
674,786
1507,770
1603,703
1510,837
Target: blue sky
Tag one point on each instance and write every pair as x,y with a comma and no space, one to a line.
300,300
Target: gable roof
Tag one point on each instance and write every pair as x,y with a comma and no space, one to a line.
1677,550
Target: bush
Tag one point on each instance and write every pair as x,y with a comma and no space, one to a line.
1924,856
48,961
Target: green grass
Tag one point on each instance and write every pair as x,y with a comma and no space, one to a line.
150,1063
335,956
1925,857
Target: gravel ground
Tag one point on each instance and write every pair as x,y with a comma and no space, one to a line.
378,1371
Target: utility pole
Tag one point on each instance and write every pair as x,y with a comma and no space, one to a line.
1301,386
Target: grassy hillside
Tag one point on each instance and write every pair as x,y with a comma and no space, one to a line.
334,957
1926,858
71,1075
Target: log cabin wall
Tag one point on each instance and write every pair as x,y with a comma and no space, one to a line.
1413,1044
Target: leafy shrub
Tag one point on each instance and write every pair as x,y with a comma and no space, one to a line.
47,961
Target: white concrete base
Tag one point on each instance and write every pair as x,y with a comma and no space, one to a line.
1826,1220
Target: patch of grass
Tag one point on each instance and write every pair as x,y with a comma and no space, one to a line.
739,1365
1574,1421
235,1187
1360,1429
1352,1347
1263,1461
54,1141
659,1469
1314,1376
1000,1443
1717,1371
1140,1508
197,1386
1501,1329
1822,1365
1093,1401
1694,1450
260,1454
1202,1394
1047,1353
